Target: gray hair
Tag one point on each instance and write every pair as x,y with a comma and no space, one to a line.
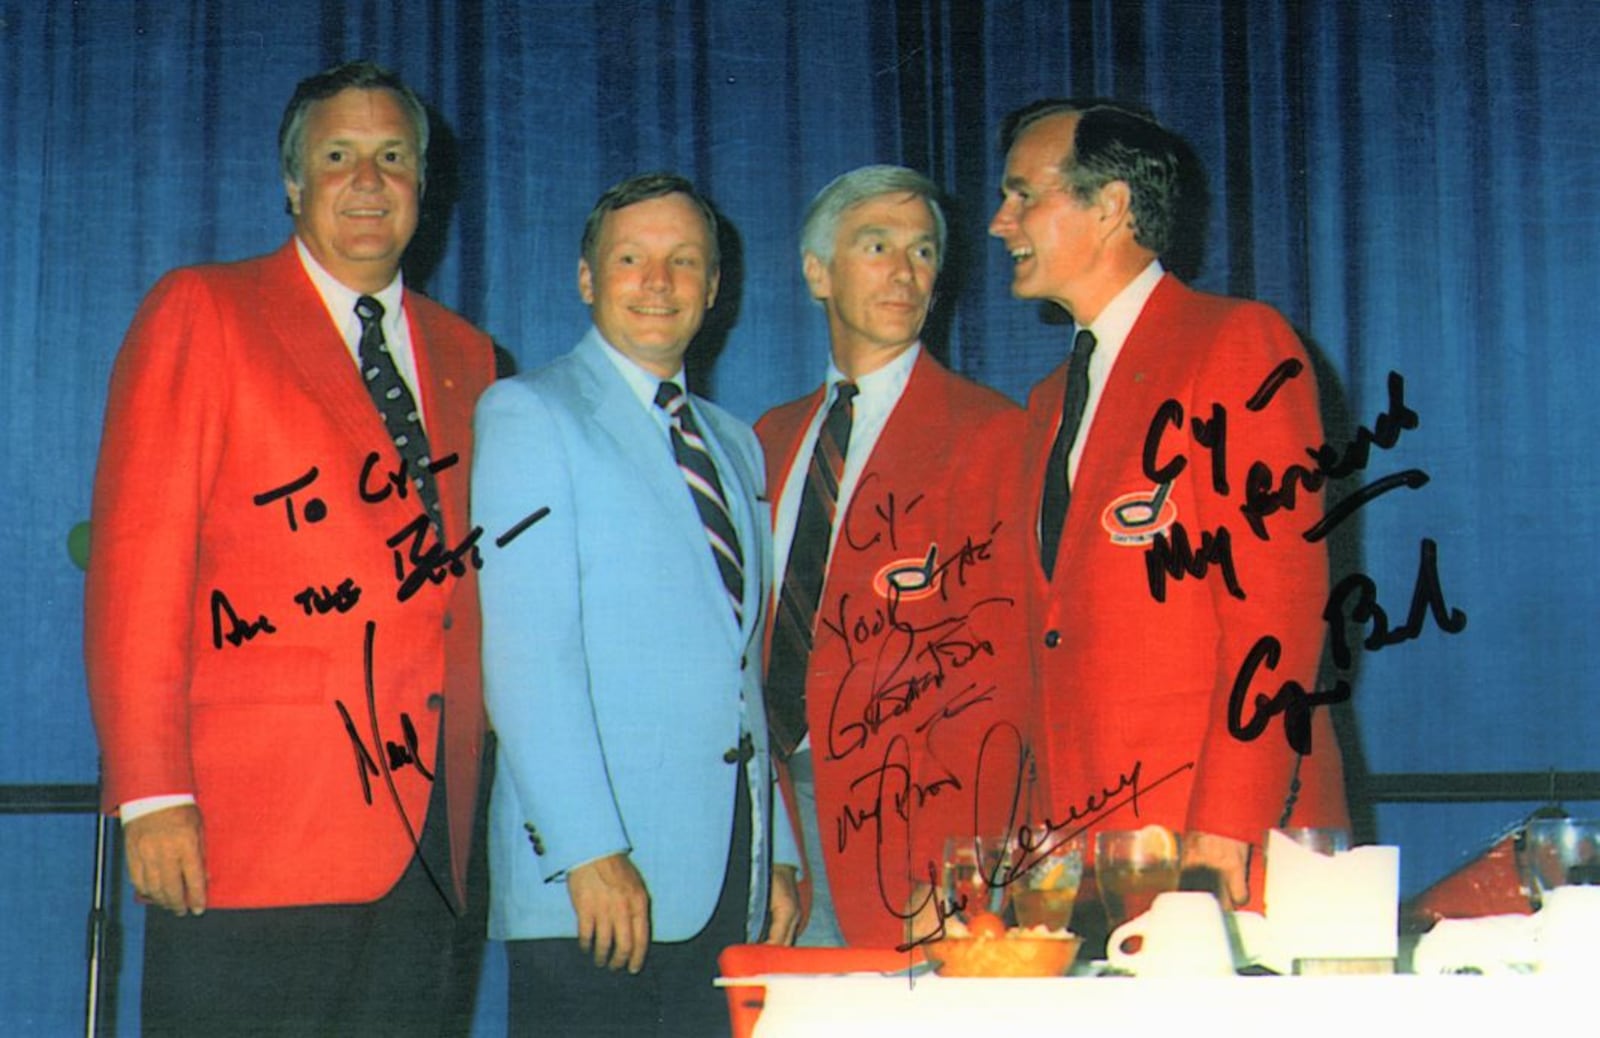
357,75
848,190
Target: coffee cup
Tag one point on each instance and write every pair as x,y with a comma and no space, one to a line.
1567,931
1182,935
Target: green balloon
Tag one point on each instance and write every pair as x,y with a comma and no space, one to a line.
78,544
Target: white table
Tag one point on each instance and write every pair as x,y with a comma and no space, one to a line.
1240,1007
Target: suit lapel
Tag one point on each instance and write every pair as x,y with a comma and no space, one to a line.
293,313
639,439
443,382
1138,384
784,428
741,491
1044,417
926,395
634,433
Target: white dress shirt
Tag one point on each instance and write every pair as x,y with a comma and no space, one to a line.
878,393
645,384
1111,330
341,303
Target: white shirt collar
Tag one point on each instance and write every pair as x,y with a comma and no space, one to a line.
878,391
340,300
1111,330
643,383
1113,324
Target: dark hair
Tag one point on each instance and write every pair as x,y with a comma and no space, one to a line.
641,188
358,75
1114,140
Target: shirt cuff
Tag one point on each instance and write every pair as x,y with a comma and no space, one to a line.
150,805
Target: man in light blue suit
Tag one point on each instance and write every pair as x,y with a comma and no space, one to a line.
631,834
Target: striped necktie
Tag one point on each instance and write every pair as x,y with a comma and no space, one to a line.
794,627
397,406
700,472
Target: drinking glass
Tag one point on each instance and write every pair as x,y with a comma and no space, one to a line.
1558,852
1319,839
974,874
1132,866
1046,869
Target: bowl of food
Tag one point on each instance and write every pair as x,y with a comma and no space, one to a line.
984,947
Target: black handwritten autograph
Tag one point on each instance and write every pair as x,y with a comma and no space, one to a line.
238,630
1353,600
907,660
1171,555
1004,757
424,563
912,662
1265,495
884,514
420,557
396,755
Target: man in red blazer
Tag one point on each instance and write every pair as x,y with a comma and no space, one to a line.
893,659
1164,602
282,628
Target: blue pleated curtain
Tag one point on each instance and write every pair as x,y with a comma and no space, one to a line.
1415,185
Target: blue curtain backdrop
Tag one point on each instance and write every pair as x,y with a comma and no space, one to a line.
1416,185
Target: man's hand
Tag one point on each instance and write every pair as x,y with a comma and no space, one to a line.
783,907
1229,858
613,909
166,858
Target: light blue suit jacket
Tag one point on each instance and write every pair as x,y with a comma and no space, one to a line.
614,673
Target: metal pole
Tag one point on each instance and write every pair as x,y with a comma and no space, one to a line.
98,922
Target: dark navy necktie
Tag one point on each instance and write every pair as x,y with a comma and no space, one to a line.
1057,490
397,406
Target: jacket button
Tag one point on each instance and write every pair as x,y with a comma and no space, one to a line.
449,621
1052,638
742,752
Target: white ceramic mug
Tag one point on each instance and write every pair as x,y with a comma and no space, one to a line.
1183,935
1567,931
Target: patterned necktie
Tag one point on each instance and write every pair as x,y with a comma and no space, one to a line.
794,628
700,472
397,406
1057,491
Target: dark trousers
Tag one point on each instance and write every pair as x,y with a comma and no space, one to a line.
557,990
406,964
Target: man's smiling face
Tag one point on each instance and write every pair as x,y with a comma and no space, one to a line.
356,205
652,280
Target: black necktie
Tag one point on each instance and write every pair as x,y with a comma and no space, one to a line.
397,406
794,628
700,472
1057,491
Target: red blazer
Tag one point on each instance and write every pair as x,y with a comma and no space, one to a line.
226,619
1134,690
894,776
